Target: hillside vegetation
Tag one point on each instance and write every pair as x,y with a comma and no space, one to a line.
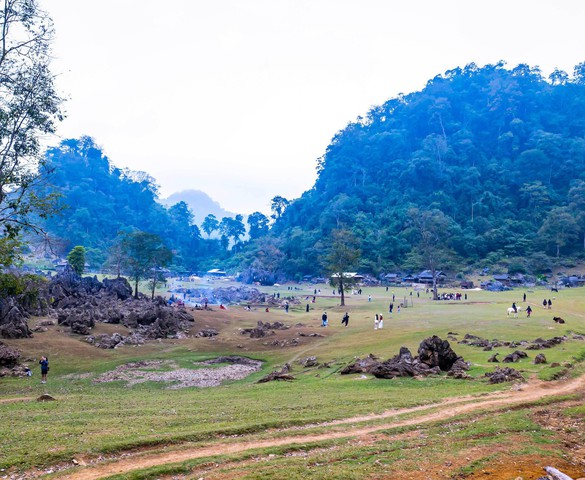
499,152
495,156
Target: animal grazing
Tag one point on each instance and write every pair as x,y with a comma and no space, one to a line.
558,320
512,312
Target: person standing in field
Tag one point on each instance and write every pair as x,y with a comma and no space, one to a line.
345,319
381,322
44,363
376,322
324,319
528,311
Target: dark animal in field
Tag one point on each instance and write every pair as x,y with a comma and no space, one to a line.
558,320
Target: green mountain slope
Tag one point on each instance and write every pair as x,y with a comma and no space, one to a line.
500,152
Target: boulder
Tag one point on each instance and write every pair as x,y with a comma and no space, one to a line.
281,375
8,356
207,332
308,362
539,359
364,365
13,320
514,357
493,358
435,352
505,374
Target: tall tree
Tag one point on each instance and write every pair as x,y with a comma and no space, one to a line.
210,224
278,206
145,256
258,225
232,227
343,255
431,231
76,259
29,109
559,229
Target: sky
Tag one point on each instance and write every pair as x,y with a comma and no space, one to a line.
239,98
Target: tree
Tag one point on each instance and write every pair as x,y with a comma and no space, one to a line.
258,225
210,224
76,259
145,256
278,206
232,228
559,228
29,109
343,255
432,230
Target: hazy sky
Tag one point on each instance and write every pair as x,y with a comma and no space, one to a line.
239,98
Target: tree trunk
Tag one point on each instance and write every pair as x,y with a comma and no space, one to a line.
341,289
556,474
136,289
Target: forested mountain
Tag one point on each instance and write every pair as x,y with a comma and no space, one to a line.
99,201
499,153
483,167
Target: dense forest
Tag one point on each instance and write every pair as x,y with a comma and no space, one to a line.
496,154
499,153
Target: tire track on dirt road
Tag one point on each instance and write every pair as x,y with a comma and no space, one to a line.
529,392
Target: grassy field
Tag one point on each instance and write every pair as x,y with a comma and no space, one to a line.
90,420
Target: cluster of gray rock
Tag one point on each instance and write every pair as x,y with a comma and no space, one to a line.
487,345
79,303
434,356
263,328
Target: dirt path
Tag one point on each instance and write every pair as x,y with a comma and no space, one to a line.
532,391
16,399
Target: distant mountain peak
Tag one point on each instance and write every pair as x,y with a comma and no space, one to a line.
200,203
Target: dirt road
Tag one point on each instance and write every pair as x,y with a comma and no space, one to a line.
529,392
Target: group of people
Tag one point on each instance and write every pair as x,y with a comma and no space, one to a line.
546,304
325,320
378,321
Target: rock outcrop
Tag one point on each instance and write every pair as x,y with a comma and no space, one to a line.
434,356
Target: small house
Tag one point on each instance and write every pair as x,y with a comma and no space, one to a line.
426,276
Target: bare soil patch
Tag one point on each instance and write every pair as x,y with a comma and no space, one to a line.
167,371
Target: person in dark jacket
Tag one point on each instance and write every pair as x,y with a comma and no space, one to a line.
44,363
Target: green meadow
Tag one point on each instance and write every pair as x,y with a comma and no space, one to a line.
90,420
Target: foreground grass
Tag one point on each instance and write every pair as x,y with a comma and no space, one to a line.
93,419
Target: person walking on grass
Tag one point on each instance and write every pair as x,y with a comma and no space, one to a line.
324,319
44,363
381,322
528,311
345,319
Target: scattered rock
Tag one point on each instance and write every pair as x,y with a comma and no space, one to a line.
308,362
207,332
514,357
504,374
539,359
46,398
361,365
281,375
493,358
